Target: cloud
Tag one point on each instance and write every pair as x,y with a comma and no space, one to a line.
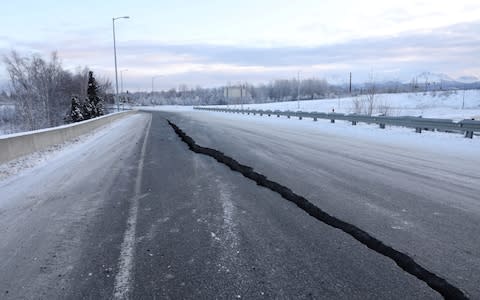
453,50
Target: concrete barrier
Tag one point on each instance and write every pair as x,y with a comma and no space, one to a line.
16,145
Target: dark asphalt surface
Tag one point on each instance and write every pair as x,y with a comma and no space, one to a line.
202,231
423,203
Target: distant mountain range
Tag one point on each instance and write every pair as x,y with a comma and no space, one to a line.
430,77
425,81
468,79
439,77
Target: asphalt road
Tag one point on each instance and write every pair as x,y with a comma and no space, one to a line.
146,218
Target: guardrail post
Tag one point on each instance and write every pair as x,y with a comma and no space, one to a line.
314,119
354,122
278,115
261,114
469,134
288,116
382,126
332,121
418,130
299,117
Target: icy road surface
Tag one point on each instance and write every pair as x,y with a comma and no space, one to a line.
417,193
131,212
51,215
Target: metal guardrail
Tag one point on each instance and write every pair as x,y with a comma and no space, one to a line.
468,127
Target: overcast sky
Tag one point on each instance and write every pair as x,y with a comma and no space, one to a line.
211,43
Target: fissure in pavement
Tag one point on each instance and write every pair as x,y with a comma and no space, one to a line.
447,290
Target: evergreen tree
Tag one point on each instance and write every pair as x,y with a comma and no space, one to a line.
75,110
100,109
94,104
88,110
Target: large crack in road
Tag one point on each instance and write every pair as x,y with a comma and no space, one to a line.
405,262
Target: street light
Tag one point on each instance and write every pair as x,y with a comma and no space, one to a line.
121,80
115,51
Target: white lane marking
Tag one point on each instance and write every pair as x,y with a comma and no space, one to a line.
123,278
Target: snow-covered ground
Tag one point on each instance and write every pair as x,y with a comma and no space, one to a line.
441,105
436,143
4,136
446,104
42,158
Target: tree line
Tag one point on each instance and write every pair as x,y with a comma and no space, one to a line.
287,90
43,92
274,91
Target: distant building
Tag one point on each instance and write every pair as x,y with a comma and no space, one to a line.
236,93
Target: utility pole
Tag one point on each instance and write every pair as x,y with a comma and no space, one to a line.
350,88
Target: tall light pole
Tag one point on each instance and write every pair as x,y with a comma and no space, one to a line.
121,80
115,52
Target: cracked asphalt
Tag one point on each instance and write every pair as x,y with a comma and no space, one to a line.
204,231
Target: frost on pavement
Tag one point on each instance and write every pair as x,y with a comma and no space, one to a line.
55,201
15,166
41,158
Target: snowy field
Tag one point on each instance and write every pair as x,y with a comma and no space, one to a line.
436,143
446,104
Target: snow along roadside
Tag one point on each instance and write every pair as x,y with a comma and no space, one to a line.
42,157
24,143
51,208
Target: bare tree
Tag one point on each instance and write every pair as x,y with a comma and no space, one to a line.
21,90
358,105
42,89
383,108
370,93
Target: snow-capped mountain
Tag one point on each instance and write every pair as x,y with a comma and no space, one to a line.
467,79
438,77
433,77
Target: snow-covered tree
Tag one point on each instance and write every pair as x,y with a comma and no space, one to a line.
75,114
100,109
95,105
88,111
41,90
